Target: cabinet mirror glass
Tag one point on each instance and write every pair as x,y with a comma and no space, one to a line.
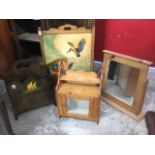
78,106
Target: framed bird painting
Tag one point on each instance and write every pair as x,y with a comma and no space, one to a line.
73,45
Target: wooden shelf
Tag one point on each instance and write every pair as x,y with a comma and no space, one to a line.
32,37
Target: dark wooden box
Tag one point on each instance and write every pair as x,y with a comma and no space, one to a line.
29,85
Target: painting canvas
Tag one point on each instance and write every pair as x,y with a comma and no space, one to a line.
76,49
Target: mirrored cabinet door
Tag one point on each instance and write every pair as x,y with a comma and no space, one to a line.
77,106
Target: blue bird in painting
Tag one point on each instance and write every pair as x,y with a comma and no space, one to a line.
70,65
77,50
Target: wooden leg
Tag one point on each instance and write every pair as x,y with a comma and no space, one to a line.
55,101
98,121
5,117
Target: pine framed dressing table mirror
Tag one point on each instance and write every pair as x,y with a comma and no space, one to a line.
124,83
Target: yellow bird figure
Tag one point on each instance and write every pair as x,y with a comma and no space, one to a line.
31,86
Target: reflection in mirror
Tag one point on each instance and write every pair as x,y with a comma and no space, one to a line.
122,82
76,106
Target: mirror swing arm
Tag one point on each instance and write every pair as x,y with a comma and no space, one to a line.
141,66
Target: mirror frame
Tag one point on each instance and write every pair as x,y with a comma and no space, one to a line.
133,111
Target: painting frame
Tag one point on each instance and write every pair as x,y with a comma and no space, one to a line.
67,30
